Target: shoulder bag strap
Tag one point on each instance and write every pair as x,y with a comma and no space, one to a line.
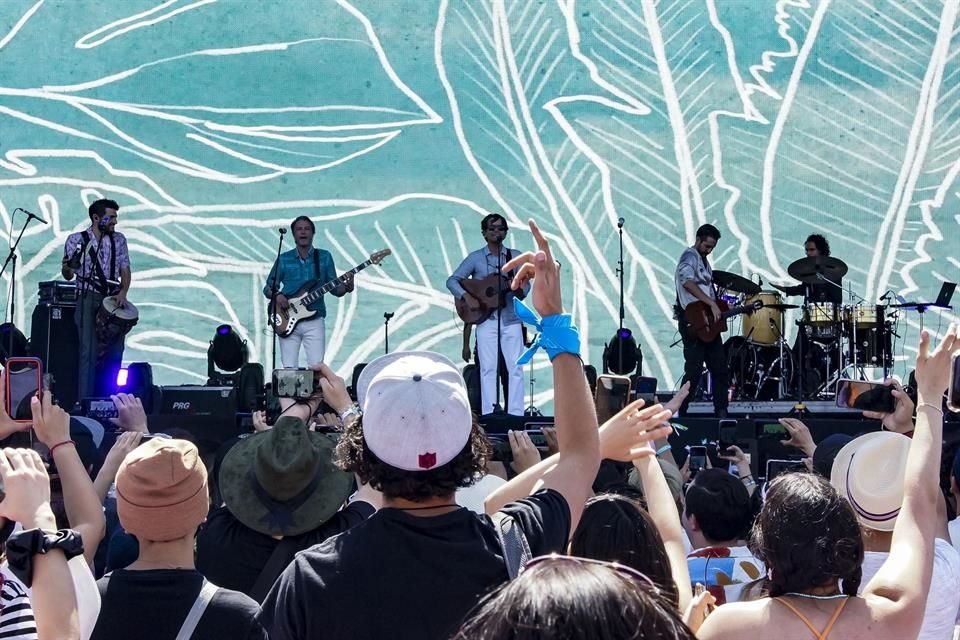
196,611
275,565
113,257
516,549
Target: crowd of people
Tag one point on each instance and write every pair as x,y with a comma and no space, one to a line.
375,528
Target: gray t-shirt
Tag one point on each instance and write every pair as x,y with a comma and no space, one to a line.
693,267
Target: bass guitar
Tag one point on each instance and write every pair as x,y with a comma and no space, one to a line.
701,320
486,292
283,321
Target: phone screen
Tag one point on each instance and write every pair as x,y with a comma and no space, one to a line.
698,458
294,383
24,379
953,395
777,467
613,394
866,396
774,429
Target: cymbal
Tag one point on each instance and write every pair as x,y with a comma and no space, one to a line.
808,270
733,282
781,307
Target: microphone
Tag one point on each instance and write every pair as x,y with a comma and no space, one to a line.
75,259
760,278
283,231
886,296
32,215
620,222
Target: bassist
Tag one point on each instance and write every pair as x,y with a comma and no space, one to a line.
694,283
504,321
293,270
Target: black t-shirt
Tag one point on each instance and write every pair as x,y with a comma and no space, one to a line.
399,575
153,604
232,555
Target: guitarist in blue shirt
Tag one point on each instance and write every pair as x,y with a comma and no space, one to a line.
296,268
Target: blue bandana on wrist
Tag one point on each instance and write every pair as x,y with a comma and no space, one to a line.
557,333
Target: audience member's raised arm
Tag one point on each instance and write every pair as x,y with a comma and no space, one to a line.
904,579
621,437
663,512
27,501
84,509
576,421
126,442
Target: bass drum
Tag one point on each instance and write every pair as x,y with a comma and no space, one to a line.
756,370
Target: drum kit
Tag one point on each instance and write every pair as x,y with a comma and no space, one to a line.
834,338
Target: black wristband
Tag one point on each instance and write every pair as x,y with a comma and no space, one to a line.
23,545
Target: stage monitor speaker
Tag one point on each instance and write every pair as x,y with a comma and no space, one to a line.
209,414
53,339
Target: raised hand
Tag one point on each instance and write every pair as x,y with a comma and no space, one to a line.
525,454
50,422
901,420
800,437
628,435
27,488
933,368
130,413
540,267
333,389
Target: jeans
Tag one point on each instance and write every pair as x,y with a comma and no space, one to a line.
696,353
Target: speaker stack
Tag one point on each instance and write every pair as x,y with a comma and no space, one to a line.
54,340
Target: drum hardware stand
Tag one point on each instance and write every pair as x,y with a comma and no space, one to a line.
781,340
273,296
12,261
386,331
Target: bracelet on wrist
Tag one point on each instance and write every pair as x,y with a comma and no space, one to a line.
930,406
350,414
60,444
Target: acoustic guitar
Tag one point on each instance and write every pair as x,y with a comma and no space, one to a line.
701,320
283,321
487,291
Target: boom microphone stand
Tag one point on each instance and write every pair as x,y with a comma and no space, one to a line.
274,292
12,261
497,407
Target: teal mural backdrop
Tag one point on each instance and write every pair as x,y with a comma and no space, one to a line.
401,123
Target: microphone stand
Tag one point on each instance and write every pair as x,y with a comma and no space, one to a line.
12,261
386,332
274,292
620,271
497,408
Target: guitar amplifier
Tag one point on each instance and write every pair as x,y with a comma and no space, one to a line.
58,292
209,414
53,339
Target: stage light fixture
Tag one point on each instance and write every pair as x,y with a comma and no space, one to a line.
122,377
226,356
621,355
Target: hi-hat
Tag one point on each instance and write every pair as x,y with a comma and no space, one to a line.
809,270
733,282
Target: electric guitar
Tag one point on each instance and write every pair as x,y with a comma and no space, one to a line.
487,292
701,320
283,321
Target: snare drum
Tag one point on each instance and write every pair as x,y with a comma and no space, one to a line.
114,322
863,316
765,325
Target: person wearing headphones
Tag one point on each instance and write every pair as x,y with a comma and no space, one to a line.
501,334
99,259
292,270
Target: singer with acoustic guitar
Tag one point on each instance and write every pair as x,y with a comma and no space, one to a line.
484,298
99,259
294,269
696,291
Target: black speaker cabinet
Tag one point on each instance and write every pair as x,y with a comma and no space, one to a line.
53,339
209,414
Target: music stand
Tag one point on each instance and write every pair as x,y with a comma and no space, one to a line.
942,302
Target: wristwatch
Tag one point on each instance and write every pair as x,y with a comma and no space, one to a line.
23,545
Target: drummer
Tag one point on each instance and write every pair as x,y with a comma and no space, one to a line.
816,246
99,259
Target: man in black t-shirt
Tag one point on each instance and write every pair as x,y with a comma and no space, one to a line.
417,566
162,499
